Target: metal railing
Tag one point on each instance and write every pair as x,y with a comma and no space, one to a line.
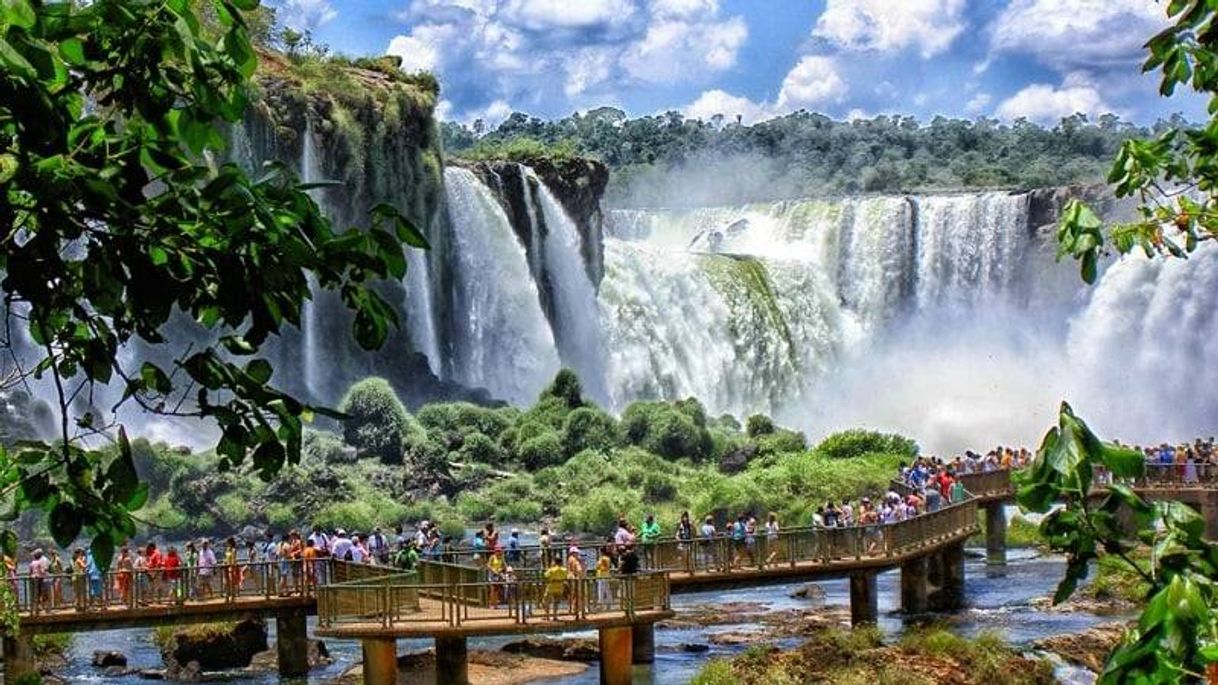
513,600
125,590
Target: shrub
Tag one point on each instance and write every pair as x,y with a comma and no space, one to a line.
542,451
658,488
324,447
377,422
352,515
727,423
781,441
691,407
598,511
463,418
233,509
662,428
588,428
519,511
157,463
480,449
566,387
279,516
759,424
474,507
858,442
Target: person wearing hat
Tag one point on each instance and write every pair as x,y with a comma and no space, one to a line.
515,555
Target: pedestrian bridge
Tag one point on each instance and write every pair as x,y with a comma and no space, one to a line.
453,599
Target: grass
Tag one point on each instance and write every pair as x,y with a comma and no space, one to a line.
163,636
523,150
53,644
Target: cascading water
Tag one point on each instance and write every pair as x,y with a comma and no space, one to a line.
577,325
310,324
503,343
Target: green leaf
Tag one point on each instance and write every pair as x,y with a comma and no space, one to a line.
103,550
155,379
18,13
73,51
259,370
8,542
65,522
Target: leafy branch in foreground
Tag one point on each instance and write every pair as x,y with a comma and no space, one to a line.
1176,637
1173,175
115,218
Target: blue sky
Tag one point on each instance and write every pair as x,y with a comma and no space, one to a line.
1040,59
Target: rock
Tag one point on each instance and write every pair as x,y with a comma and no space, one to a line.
319,655
151,673
213,649
737,459
1089,649
734,638
809,591
105,659
693,647
190,673
117,671
565,649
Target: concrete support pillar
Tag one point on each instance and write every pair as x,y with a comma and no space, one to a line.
913,586
864,608
292,643
995,534
951,590
617,660
380,661
19,657
1209,511
452,662
643,643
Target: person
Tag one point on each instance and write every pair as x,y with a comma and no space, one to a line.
96,590
495,566
650,535
40,568
232,571
685,535
80,582
575,583
830,516
958,493
515,554
321,541
543,541
479,547
378,549
708,541
207,565
491,536
284,553
143,586
270,555
310,564
340,547
154,561
628,565
604,569
56,573
771,538
359,553
123,578
555,578
739,533
252,571
172,565
407,557
191,574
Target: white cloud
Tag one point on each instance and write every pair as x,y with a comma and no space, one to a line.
535,51
303,15
1077,34
1046,104
813,81
930,26
713,102
978,103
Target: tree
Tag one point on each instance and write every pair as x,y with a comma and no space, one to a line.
1174,175
114,218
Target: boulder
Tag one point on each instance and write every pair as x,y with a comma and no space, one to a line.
810,591
1089,649
319,655
215,648
106,659
566,649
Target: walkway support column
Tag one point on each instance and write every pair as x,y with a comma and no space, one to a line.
1209,511
380,661
292,643
19,657
617,661
913,586
950,595
452,661
864,608
643,643
995,534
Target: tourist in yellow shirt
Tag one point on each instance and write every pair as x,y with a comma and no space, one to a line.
556,582
604,590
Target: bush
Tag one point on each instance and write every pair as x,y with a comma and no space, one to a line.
858,442
474,507
480,449
463,418
233,509
324,447
588,428
665,430
542,451
658,488
377,422
759,424
726,423
280,516
566,387
781,441
598,511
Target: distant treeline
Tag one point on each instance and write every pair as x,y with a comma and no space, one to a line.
672,160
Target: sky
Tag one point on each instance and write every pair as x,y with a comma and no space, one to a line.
1039,59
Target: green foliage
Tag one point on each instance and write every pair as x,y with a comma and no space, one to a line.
452,421
52,645
566,387
858,442
324,447
376,421
781,441
759,424
542,451
523,150
599,510
1169,223
663,428
1176,637
589,428
99,102
479,449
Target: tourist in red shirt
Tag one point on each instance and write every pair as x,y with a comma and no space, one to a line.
171,564
155,562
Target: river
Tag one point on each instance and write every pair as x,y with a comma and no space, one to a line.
999,598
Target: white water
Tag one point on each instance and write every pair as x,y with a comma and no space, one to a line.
505,344
577,325
310,323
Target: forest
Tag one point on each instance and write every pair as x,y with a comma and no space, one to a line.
671,160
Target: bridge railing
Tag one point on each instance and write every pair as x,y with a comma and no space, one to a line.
119,590
724,554
514,600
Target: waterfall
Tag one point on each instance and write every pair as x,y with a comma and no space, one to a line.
503,343
577,325
310,325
